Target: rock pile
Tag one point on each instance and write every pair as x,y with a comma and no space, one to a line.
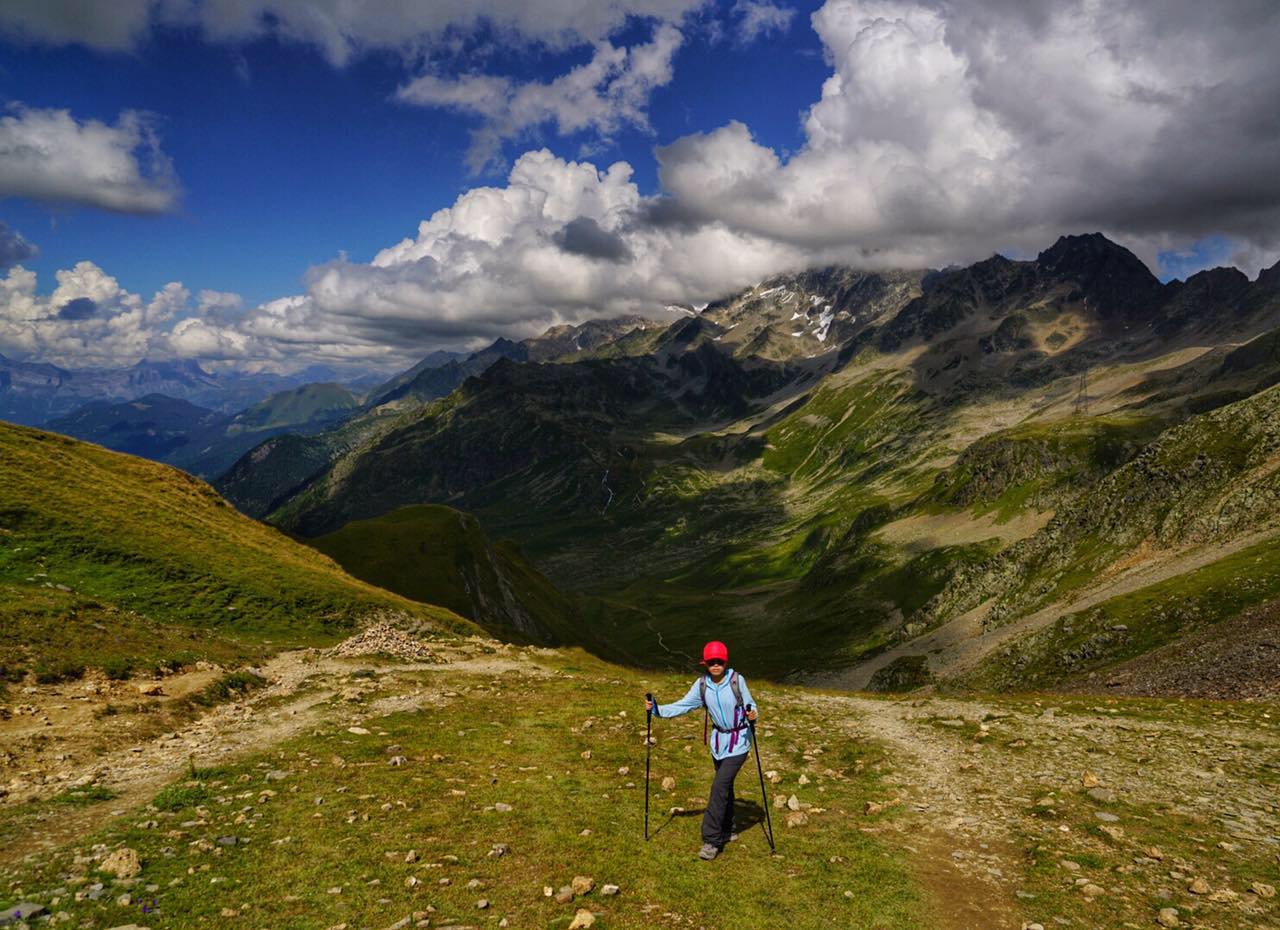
384,639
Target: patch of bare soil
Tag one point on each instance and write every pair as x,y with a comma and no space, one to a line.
929,531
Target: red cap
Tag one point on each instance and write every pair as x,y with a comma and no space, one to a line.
715,650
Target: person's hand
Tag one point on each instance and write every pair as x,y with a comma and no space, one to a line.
751,715
648,705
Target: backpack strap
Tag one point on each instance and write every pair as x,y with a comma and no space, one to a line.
739,713
706,712
737,690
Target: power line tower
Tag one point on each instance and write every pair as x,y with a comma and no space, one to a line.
1082,395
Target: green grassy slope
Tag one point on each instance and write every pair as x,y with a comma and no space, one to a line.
564,755
1208,479
306,404
86,533
438,555
1134,624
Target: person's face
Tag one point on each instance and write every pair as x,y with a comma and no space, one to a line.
715,667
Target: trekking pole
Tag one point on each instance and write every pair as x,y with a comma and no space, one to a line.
763,794
648,749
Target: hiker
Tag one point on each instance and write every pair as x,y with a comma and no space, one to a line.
723,692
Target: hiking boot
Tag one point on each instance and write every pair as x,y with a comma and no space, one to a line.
708,851
733,837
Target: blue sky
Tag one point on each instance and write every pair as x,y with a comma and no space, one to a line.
285,160
271,183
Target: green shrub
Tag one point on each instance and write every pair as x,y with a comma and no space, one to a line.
227,688
180,797
50,673
118,668
89,794
12,673
212,773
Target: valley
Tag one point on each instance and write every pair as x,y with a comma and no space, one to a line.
837,468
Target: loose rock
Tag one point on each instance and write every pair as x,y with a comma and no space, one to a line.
123,863
23,911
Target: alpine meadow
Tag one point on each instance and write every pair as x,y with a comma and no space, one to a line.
807,465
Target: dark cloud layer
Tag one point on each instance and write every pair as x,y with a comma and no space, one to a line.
584,236
80,308
14,248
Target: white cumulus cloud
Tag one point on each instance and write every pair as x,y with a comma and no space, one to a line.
497,262
943,132
49,155
759,18
605,93
88,319
948,130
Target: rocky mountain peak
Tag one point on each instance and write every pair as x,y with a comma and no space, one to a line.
1111,277
1269,278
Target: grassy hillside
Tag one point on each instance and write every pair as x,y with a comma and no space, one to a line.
439,555
1209,479
470,793
310,403
507,783
154,426
91,538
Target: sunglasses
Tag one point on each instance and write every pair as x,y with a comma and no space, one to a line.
715,661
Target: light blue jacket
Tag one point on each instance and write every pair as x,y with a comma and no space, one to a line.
723,709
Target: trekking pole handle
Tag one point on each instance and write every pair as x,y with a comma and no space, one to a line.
648,696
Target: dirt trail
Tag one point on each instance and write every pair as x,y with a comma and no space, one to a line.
302,688
960,644
988,782
965,858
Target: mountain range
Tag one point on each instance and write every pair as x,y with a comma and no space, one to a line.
855,474
202,441
33,393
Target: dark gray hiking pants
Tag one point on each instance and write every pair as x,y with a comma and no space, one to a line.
717,822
